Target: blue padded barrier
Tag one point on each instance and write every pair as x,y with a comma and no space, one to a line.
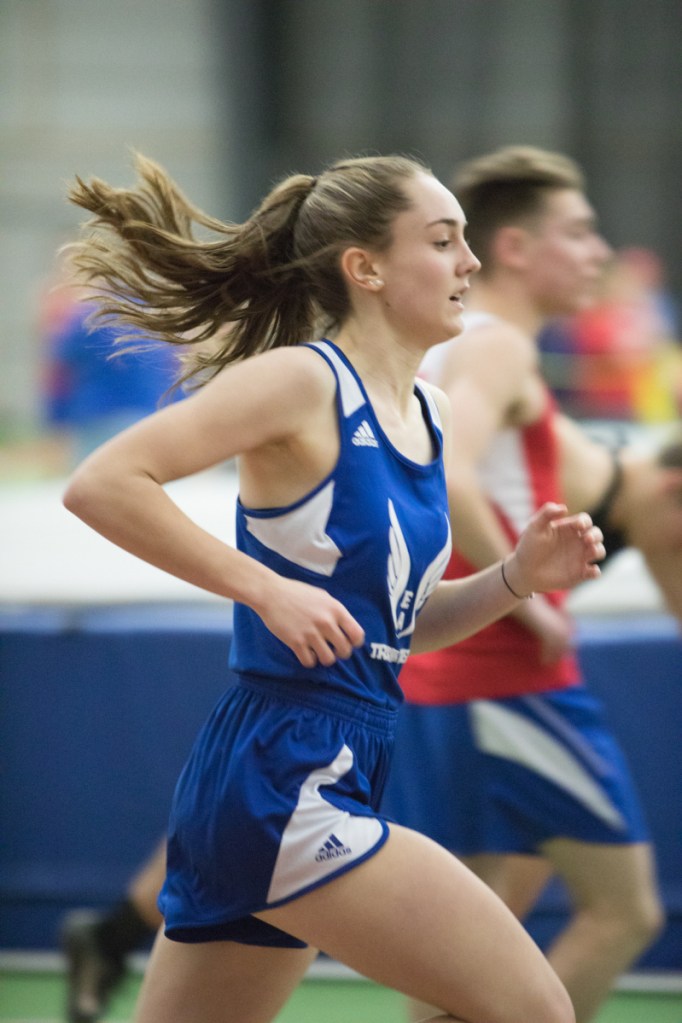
99,707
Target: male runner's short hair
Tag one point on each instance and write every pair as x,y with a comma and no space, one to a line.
509,186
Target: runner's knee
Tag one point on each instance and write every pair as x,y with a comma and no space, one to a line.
639,919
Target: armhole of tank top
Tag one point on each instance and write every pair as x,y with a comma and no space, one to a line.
431,404
432,418
329,354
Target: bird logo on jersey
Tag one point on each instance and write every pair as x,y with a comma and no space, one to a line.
404,604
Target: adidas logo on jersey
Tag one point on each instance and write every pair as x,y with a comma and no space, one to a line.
332,849
363,436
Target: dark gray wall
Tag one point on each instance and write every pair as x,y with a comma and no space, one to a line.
232,94
82,82
447,79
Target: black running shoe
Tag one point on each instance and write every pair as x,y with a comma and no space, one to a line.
92,973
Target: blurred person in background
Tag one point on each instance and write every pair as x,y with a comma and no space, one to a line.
501,749
91,387
97,944
619,358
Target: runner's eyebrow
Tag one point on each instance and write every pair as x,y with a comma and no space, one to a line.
448,221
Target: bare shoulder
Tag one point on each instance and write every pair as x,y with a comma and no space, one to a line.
265,401
497,346
303,363
273,394
493,365
295,371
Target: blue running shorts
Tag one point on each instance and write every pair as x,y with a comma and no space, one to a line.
279,795
506,775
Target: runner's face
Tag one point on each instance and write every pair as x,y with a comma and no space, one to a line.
566,254
426,270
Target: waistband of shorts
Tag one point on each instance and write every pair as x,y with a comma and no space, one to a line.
316,697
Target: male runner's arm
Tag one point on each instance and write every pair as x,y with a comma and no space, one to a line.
647,507
666,569
655,527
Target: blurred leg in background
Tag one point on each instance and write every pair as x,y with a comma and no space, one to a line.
97,944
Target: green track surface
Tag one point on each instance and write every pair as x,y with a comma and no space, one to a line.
39,998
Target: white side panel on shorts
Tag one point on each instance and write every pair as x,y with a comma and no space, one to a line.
502,733
319,838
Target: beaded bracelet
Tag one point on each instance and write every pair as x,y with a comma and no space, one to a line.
518,596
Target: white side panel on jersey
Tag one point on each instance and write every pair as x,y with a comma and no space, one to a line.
319,838
300,535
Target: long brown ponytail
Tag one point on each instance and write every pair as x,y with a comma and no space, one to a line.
272,281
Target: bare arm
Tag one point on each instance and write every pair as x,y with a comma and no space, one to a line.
586,465
118,491
648,509
666,569
554,552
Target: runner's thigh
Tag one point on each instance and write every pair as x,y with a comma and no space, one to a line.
218,982
414,918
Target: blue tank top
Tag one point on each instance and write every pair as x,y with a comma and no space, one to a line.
374,533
